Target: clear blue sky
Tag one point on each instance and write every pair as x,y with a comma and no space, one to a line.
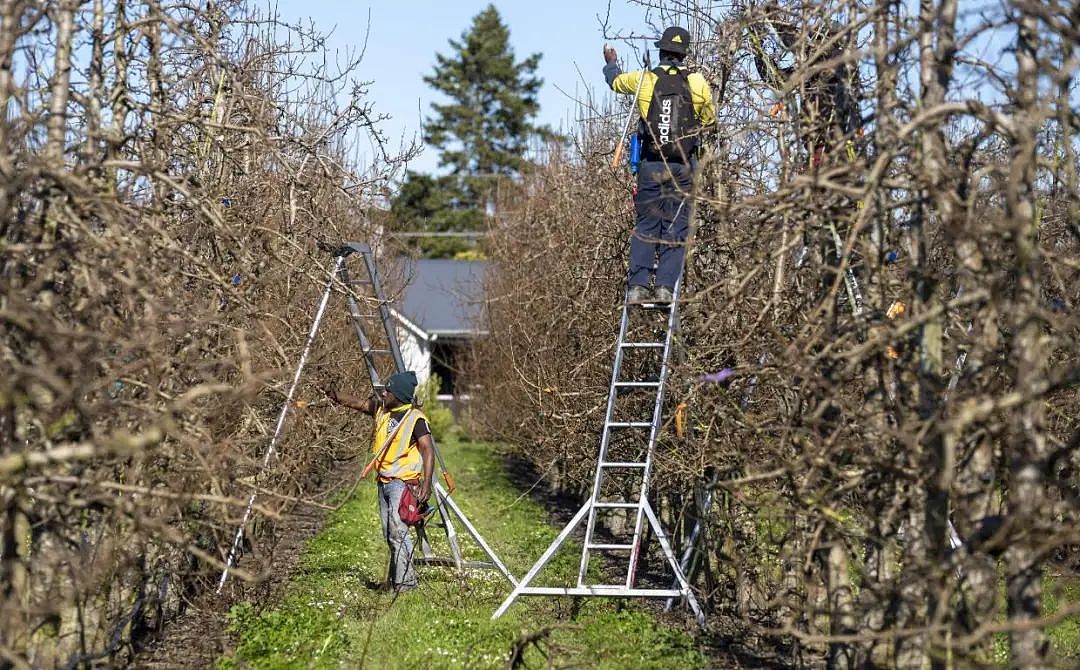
406,34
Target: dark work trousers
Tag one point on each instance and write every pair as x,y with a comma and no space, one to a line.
662,205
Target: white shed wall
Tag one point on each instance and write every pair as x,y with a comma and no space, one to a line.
415,353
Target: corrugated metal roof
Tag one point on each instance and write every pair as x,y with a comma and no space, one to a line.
444,297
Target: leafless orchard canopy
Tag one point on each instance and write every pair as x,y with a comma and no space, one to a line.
167,168
843,444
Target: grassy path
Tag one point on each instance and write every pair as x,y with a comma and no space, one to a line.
331,616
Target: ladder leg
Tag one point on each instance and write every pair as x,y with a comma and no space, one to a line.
339,262
670,555
688,564
635,553
365,341
451,534
654,434
850,283
449,502
422,541
384,311
605,437
363,336
539,565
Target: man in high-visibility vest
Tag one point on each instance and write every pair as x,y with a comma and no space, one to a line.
405,456
670,133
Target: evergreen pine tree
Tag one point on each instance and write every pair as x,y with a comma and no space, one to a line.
482,133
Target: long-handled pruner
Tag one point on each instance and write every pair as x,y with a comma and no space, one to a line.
630,117
382,450
447,477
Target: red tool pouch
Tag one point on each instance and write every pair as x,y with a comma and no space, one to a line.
410,509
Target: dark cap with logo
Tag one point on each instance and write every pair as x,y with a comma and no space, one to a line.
675,40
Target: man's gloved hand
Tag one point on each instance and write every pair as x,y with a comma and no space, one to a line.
609,55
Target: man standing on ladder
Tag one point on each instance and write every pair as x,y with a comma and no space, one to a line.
674,105
403,454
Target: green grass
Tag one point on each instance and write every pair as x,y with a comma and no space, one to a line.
331,617
1065,635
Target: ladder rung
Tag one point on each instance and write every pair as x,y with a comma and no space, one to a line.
629,424
370,315
638,384
610,547
621,464
642,345
616,505
375,351
600,590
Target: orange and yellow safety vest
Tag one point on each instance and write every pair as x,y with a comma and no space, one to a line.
402,459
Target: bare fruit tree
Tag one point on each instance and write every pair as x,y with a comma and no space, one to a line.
167,171
884,269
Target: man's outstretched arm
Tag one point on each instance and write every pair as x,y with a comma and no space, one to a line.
365,405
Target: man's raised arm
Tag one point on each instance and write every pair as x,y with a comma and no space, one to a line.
619,81
367,406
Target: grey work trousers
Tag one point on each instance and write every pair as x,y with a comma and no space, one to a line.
396,533
662,204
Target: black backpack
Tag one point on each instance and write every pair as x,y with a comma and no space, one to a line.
671,125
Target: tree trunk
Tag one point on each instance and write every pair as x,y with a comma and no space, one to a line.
1027,442
60,85
154,78
118,97
95,86
841,618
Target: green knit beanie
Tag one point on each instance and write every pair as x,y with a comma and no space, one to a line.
402,385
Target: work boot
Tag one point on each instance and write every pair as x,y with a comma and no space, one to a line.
638,294
664,294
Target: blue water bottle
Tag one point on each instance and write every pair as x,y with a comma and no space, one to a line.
635,152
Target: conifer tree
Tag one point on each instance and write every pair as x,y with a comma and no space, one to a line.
482,132
486,126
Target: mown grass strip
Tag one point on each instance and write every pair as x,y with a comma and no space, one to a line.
332,617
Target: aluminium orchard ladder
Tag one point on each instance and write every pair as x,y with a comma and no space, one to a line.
635,466
360,321
362,326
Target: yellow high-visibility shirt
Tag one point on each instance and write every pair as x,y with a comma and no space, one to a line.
627,82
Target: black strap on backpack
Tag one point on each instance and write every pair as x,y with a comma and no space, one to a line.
671,127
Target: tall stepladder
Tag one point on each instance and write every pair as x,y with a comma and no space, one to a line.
621,479
376,334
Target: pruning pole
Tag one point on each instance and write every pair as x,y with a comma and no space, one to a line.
630,117
447,477
272,448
